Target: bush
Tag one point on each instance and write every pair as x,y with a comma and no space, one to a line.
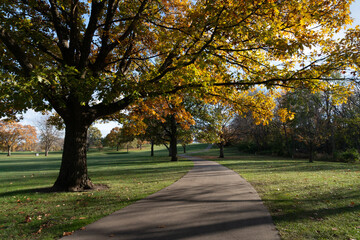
248,147
324,157
350,155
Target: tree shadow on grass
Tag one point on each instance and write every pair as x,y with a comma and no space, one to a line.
95,174
116,153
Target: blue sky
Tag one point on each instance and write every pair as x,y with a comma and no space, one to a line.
32,117
355,12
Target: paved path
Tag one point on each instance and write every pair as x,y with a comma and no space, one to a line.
210,202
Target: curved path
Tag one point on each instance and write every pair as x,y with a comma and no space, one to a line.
210,202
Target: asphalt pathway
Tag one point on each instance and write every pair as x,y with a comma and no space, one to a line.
210,202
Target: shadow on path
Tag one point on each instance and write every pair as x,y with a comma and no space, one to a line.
210,202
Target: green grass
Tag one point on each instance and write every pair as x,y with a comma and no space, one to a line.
130,176
307,201
318,200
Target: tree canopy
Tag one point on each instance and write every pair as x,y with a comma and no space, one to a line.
90,59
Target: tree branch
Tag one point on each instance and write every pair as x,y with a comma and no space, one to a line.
17,51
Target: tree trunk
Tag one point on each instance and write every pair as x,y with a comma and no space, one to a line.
73,175
46,151
173,139
184,147
8,150
332,139
168,148
173,147
311,157
152,148
117,147
221,146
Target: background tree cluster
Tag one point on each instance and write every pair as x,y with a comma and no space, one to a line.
324,126
15,136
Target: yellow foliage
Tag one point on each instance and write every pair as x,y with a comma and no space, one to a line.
285,115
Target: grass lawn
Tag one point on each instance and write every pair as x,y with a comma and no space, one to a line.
25,214
318,200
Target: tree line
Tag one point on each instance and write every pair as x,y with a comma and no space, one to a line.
322,128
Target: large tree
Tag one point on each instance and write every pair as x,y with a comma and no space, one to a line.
90,59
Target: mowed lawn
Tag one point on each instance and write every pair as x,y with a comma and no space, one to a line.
27,214
318,200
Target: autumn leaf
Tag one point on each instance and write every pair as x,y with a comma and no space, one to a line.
67,233
28,219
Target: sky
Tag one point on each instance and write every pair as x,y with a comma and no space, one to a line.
32,118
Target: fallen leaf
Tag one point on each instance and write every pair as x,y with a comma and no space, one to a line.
27,219
161,226
72,218
67,233
334,229
82,228
82,218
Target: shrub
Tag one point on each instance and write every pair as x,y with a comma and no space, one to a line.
248,147
350,155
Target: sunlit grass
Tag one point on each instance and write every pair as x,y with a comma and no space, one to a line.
318,200
25,214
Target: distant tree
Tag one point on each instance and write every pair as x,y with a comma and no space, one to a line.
93,137
49,135
113,138
160,120
13,134
118,137
186,137
154,133
215,126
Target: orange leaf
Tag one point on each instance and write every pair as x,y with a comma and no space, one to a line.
67,233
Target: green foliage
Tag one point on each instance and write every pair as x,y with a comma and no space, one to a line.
247,147
350,155
323,124
94,137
